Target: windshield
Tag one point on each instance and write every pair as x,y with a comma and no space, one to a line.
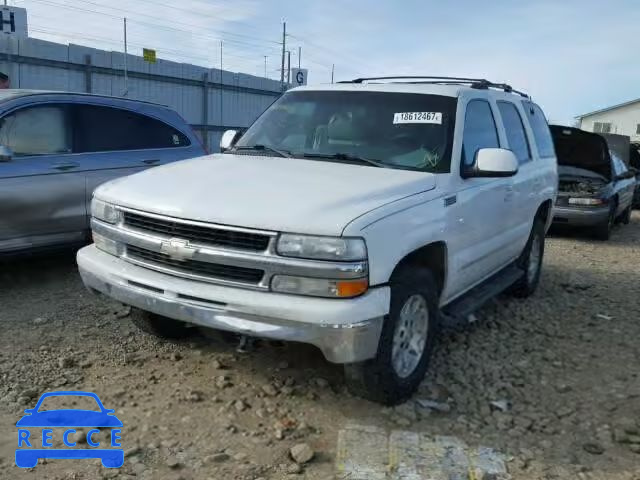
396,130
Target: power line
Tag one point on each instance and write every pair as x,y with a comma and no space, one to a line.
154,2
330,53
190,25
155,25
55,33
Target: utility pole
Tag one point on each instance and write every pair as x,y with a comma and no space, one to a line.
284,47
333,67
288,66
126,75
265,67
299,57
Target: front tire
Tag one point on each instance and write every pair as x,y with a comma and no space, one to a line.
603,231
625,218
531,262
406,341
159,326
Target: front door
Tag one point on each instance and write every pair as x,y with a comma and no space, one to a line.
41,187
480,210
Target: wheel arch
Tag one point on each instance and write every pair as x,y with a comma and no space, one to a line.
433,256
545,213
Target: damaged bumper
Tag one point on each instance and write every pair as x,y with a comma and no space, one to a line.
581,216
345,331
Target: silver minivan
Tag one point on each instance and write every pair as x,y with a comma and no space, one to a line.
56,148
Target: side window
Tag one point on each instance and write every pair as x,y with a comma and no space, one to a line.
106,129
619,166
601,127
479,130
516,134
38,130
540,127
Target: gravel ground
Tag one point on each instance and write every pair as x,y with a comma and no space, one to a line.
552,381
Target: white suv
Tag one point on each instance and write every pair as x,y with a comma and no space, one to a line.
357,217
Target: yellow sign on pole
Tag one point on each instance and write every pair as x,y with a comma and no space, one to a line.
149,55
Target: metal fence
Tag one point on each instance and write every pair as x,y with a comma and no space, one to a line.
211,100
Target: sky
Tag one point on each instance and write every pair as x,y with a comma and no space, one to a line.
572,56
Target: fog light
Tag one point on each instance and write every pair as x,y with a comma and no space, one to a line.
106,244
319,287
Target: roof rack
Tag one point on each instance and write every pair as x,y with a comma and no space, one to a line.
479,83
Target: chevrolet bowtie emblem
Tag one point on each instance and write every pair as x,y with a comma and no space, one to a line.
178,249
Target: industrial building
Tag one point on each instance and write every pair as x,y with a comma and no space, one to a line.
621,119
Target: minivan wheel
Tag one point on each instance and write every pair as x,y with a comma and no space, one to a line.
159,326
530,262
406,342
626,216
603,231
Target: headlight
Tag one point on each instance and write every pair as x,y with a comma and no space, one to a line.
322,248
107,245
104,211
587,202
319,287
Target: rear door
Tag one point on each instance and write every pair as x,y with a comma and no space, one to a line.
42,190
525,188
112,142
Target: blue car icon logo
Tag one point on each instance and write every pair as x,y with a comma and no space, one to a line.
31,446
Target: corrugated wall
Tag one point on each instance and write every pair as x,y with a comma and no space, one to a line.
233,99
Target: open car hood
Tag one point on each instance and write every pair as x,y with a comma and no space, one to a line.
581,150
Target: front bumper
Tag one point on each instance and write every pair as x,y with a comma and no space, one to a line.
344,330
582,216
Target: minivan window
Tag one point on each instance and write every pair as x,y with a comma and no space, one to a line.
479,130
540,127
394,130
106,129
39,130
514,128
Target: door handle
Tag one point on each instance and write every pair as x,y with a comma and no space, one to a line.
151,161
65,165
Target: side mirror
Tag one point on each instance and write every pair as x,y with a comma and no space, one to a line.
229,139
492,162
6,154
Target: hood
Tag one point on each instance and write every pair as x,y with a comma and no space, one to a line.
581,150
281,194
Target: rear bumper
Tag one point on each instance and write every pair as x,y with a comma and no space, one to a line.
580,216
345,331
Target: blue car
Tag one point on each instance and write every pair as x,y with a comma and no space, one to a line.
57,147
32,447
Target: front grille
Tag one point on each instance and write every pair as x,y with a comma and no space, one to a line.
219,237
215,271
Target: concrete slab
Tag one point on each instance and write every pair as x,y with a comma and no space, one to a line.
372,453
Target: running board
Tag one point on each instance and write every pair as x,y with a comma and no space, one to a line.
457,312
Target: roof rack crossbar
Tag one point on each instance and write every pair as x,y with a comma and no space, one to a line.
479,83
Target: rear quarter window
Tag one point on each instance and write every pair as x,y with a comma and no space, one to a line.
540,127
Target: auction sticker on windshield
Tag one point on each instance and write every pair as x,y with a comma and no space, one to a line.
417,117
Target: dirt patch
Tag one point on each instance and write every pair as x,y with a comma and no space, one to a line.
552,381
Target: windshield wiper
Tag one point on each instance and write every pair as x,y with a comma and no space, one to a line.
346,157
264,148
